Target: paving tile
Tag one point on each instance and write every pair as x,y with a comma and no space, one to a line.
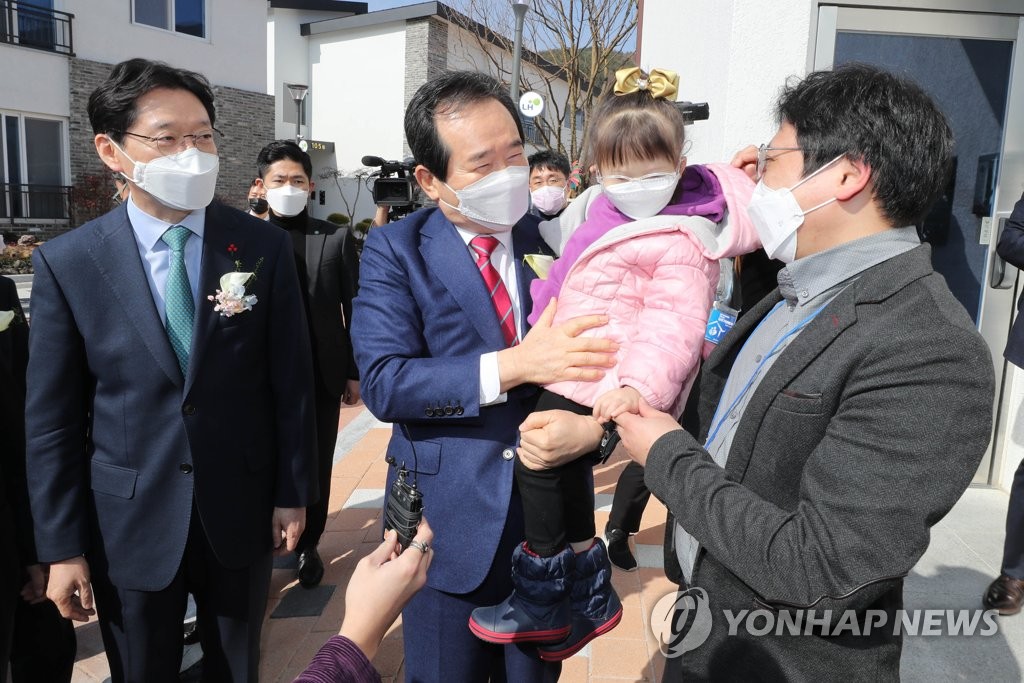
277,644
302,654
333,613
364,498
603,502
390,656
353,519
303,602
620,658
341,490
575,670
280,581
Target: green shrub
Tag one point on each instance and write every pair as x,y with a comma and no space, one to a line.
339,219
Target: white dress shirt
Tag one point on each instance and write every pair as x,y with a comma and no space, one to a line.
156,255
503,260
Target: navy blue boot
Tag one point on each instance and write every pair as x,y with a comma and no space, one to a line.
538,609
596,608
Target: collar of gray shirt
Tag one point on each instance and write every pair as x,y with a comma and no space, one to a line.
805,279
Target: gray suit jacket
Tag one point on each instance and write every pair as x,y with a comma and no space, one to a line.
860,437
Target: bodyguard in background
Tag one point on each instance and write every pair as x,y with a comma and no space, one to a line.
170,436
1006,593
325,256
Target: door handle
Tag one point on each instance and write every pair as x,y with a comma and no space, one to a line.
1000,274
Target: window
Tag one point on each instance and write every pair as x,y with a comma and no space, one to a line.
530,133
32,168
180,16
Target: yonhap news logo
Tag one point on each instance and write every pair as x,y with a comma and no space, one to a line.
683,621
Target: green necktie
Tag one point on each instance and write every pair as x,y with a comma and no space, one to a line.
179,306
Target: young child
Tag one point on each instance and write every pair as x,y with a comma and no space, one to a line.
645,253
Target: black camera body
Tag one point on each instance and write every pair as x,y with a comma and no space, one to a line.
393,185
693,111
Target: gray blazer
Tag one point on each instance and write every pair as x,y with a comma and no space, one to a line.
861,436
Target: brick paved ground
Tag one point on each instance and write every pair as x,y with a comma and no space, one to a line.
626,654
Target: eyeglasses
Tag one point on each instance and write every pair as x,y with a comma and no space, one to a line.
206,140
762,158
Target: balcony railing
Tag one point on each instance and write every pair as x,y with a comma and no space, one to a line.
34,202
39,27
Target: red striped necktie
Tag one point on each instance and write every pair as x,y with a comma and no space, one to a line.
483,246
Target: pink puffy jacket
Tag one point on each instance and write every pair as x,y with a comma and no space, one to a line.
655,278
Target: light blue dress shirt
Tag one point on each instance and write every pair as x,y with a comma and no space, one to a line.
156,256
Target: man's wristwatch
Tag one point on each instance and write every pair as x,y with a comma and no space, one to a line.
609,440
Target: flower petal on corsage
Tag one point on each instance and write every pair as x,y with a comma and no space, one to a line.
6,318
229,281
541,264
231,298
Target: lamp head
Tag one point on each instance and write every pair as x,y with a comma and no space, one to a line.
298,92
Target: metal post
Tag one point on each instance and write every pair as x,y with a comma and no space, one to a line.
520,8
298,120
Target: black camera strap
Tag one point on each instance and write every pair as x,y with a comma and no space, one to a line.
415,460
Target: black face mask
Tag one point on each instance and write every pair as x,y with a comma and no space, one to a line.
259,205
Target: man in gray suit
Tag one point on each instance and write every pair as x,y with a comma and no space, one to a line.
839,420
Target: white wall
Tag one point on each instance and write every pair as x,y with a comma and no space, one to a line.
33,81
233,53
357,80
288,62
733,54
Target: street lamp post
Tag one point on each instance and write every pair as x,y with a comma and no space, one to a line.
298,93
520,7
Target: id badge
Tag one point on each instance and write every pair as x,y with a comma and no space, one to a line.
720,321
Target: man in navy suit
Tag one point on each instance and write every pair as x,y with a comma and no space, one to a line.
439,328
169,436
1006,593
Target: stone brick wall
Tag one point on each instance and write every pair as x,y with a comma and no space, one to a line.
426,55
245,118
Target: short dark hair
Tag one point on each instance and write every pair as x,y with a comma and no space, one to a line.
634,126
549,158
885,120
283,149
111,106
448,94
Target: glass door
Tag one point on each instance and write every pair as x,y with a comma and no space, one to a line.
970,65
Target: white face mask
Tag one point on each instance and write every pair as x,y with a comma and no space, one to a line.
496,201
642,197
549,199
185,181
777,216
287,200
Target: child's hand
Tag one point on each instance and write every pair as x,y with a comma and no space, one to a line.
615,402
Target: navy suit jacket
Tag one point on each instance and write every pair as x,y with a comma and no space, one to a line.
1011,249
420,323
120,444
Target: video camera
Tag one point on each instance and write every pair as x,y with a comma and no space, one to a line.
393,186
693,111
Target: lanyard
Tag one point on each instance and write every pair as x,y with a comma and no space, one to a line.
757,371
